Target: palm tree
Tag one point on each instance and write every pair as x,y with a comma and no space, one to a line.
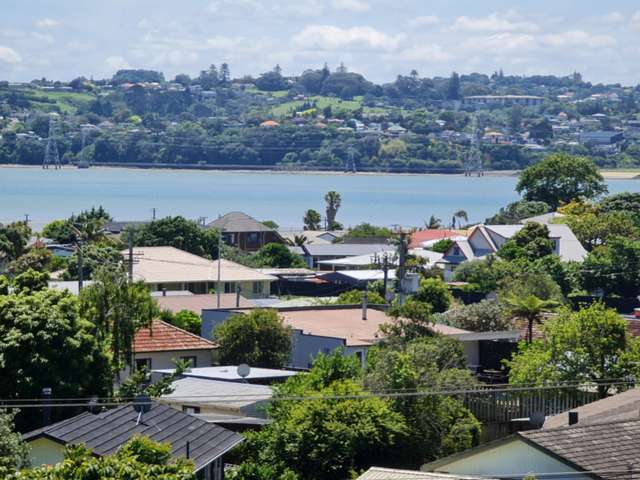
300,240
433,223
460,214
530,308
334,200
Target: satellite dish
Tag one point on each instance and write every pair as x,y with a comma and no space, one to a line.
537,419
244,370
141,404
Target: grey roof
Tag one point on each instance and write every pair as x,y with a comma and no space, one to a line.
570,246
104,433
545,218
229,373
217,393
341,249
622,406
377,473
606,448
238,222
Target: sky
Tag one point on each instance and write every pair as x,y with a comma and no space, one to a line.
63,39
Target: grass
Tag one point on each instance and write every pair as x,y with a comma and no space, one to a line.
336,104
67,102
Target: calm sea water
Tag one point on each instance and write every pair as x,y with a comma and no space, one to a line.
283,197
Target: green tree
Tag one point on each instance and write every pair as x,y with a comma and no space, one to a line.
184,319
613,269
311,220
407,322
355,297
38,259
484,316
368,230
530,242
94,256
453,87
258,338
433,224
590,345
69,358
14,452
138,459
138,383
622,202
593,229
459,215
118,309
277,255
442,246
434,292
333,201
13,239
31,281
560,178
530,309
180,233
60,231
516,211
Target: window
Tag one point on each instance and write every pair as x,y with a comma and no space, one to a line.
257,288
229,287
253,237
142,363
359,357
456,251
192,359
191,410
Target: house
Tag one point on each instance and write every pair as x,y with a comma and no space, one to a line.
229,373
601,137
161,344
205,444
168,268
197,303
322,329
244,232
269,124
219,401
316,252
621,406
601,451
430,236
523,100
311,236
377,473
487,239
355,277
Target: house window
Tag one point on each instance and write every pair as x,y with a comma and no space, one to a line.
359,357
192,359
191,410
252,238
143,363
229,287
456,251
257,288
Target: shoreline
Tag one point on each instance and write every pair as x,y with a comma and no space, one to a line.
607,174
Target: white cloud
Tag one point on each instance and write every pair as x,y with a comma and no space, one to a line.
578,38
9,55
635,20
613,17
116,63
496,22
501,42
424,21
351,5
329,37
47,23
424,53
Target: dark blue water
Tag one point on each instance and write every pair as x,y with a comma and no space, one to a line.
283,197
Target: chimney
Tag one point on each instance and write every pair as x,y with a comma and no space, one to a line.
46,408
365,301
573,418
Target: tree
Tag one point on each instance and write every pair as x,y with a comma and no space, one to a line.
484,316
453,87
326,437
560,178
367,230
442,246
530,309
277,255
258,338
94,256
593,229
622,202
515,119
60,231
184,319
180,233
138,383
44,337
530,242
14,452
38,259
516,211
118,309
613,269
434,292
311,220
333,201
31,281
433,224
13,239
459,215
590,345
138,459
356,297
407,322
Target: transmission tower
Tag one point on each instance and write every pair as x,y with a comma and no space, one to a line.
473,158
51,155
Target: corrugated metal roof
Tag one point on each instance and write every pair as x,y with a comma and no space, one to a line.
230,396
377,473
106,432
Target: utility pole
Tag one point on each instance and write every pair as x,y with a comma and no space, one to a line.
26,218
153,214
130,263
385,270
402,254
219,266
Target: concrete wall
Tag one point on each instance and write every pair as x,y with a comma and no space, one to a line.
514,458
45,452
306,347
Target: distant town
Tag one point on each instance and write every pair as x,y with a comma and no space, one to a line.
334,120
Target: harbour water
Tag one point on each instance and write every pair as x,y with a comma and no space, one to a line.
132,194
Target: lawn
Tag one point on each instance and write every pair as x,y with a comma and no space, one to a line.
336,104
68,102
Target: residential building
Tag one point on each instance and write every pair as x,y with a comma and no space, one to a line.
487,100
422,238
104,433
168,268
600,137
197,303
601,451
244,232
377,473
229,373
161,344
311,236
487,239
314,253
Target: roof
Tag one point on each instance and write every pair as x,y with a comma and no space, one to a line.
361,260
605,448
420,236
347,323
222,395
356,275
104,433
545,218
229,373
312,236
171,265
622,406
238,222
287,272
164,337
197,303
70,285
341,249
377,473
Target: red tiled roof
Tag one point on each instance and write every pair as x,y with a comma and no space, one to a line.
164,337
425,235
